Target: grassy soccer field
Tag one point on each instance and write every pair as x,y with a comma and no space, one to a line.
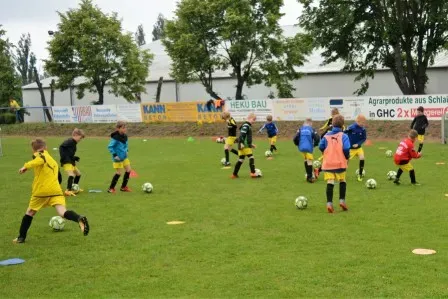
241,238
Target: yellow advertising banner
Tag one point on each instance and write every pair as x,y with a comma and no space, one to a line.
180,112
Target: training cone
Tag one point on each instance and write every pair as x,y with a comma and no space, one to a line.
190,139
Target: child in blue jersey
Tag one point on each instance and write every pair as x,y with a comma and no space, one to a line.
272,130
358,135
306,139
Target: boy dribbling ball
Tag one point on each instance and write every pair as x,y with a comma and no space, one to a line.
306,139
118,147
403,156
358,135
272,131
245,147
230,140
335,146
46,190
67,151
420,123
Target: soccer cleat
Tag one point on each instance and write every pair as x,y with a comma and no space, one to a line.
330,208
359,178
254,176
416,184
18,240
227,164
69,193
234,176
397,182
311,181
125,189
343,205
111,190
84,225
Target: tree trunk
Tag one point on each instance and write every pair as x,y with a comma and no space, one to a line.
212,93
239,89
159,89
52,84
100,90
42,96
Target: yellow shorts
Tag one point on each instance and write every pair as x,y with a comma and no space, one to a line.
69,167
230,140
122,164
307,156
245,152
37,203
334,176
272,140
406,167
421,138
356,152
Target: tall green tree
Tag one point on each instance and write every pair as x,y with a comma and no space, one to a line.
404,36
140,36
91,44
10,82
25,59
243,37
158,28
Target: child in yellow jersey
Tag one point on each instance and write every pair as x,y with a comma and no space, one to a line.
46,190
231,138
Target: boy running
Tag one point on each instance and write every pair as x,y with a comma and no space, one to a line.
272,131
46,190
420,123
358,135
336,151
67,151
118,147
245,147
306,139
403,156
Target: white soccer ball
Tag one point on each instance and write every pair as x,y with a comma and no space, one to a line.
363,172
389,153
57,223
223,161
258,172
391,175
317,164
301,202
268,154
371,184
219,140
75,188
147,187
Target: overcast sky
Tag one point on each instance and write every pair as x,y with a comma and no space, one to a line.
37,17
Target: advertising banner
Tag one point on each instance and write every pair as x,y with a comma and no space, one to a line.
241,109
129,113
82,114
290,109
104,113
63,114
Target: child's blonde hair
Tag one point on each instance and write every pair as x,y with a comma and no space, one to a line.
251,116
338,121
269,118
78,132
334,111
120,124
413,134
225,115
361,118
308,121
38,144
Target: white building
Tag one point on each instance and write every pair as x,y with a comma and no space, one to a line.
318,81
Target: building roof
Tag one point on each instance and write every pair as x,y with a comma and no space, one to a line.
161,64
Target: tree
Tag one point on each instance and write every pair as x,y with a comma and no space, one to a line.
91,44
26,61
159,28
9,80
140,36
404,36
243,37
42,95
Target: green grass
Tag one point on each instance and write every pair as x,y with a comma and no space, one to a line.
242,238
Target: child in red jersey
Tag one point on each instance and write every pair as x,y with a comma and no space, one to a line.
403,156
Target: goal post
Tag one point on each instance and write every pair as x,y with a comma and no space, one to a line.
445,128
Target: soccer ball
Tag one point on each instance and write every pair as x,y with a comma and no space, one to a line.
391,175
219,140
317,164
363,172
301,202
75,188
258,172
147,187
223,161
57,223
268,154
371,184
389,153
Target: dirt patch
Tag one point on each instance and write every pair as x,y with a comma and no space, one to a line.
377,130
